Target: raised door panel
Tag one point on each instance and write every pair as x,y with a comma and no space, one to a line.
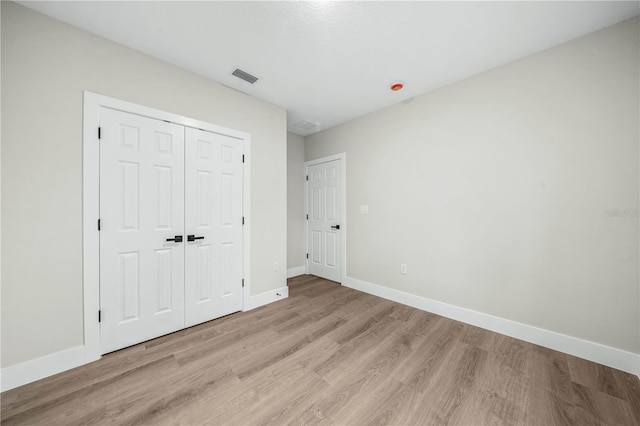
129,287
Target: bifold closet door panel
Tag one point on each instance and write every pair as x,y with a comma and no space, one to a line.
213,219
141,213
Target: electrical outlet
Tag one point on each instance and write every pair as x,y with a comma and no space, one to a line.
275,266
364,209
403,268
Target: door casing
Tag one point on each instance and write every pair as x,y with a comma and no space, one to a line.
91,203
343,225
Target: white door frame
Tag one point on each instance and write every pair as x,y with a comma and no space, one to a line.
91,203
343,224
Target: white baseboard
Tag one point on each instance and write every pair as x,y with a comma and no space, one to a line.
606,355
294,272
39,368
266,298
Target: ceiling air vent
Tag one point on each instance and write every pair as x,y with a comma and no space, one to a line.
305,125
244,75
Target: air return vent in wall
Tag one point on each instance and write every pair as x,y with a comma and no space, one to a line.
244,75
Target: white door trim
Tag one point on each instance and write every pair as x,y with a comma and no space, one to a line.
343,225
91,203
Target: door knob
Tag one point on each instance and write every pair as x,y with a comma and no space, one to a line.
193,238
335,227
177,239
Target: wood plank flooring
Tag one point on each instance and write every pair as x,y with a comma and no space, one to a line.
330,355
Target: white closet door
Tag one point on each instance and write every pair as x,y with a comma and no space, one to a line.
141,206
213,197
324,209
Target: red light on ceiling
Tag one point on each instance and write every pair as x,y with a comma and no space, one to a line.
397,86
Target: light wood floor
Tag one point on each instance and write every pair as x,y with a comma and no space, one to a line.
331,355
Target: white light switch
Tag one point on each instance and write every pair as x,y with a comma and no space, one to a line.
364,209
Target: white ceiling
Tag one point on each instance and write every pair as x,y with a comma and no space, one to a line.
329,62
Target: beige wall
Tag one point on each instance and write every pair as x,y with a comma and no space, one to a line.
497,191
46,65
295,201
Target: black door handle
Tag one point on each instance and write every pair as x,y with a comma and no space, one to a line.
177,239
335,227
193,238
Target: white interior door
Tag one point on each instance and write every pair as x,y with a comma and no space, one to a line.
141,208
324,209
214,225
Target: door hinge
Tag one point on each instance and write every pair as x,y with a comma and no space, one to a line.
307,255
243,283
307,217
98,224
243,220
307,177
243,158
99,133
99,316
